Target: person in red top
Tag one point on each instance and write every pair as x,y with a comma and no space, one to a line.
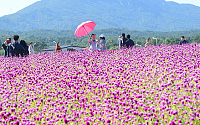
58,49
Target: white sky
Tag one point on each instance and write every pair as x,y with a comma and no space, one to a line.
12,6
195,2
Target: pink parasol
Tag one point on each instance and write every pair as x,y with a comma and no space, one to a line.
85,28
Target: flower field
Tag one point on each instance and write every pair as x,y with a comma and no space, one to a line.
143,86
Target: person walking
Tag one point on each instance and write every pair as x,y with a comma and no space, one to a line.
102,42
31,49
58,48
129,42
93,42
183,41
16,48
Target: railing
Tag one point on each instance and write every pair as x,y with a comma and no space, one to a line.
69,48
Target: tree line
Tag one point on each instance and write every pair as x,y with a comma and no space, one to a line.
107,31
112,35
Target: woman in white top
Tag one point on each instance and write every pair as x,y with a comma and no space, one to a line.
30,49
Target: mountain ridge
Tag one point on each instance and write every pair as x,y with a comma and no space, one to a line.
157,15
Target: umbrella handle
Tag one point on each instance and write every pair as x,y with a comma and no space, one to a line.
87,33
86,30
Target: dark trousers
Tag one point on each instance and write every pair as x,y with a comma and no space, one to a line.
21,53
7,51
18,52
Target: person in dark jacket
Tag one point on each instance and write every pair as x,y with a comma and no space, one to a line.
24,44
183,41
129,43
6,47
16,48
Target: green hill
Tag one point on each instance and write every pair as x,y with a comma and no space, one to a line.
155,15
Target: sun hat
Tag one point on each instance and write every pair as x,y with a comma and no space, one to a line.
101,35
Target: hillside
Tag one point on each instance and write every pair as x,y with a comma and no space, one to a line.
107,31
156,15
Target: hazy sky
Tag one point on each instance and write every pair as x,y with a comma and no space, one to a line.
12,6
195,2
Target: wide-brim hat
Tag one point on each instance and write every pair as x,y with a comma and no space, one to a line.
101,35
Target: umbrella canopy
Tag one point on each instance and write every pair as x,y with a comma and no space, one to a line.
85,28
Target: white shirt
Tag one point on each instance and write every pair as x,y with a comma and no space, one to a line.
31,50
93,45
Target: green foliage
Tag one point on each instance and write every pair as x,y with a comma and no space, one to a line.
109,32
2,52
114,48
196,39
171,41
111,43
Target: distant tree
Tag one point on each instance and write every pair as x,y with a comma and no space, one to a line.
175,41
167,41
196,39
110,43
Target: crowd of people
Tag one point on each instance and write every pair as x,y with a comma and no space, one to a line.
15,48
95,44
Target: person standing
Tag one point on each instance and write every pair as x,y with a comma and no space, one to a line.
183,41
119,39
16,48
122,40
58,48
98,44
129,42
31,49
6,47
148,42
24,44
102,42
93,42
